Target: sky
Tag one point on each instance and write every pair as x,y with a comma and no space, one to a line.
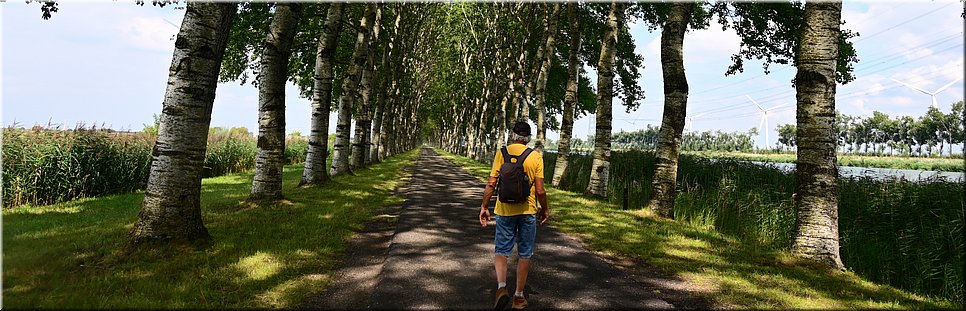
105,63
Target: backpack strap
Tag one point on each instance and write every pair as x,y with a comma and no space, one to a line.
506,155
523,156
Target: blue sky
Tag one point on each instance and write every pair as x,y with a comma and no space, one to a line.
106,63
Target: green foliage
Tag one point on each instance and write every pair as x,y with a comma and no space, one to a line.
771,32
229,155
296,149
71,255
647,139
46,166
153,128
245,39
875,217
900,136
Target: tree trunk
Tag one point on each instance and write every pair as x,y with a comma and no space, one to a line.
817,189
340,154
549,55
360,148
600,170
318,151
171,209
267,183
570,98
663,186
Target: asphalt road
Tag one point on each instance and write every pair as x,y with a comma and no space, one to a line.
436,256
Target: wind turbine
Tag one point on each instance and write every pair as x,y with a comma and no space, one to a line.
931,94
764,117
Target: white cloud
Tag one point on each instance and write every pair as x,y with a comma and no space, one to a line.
930,77
905,101
710,45
150,33
859,105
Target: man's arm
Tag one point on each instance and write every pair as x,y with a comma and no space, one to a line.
542,198
487,195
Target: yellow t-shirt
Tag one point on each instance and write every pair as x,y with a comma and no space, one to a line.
533,166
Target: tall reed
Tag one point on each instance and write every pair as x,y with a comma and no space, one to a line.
49,165
46,166
903,233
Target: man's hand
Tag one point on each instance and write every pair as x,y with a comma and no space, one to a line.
484,216
543,216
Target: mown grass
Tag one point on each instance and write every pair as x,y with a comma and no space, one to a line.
890,162
71,255
727,269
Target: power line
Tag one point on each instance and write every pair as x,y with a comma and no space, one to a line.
903,23
792,91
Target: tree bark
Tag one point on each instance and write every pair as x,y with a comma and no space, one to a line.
340,154
171,210
817,190
267,183
360,148
318,151
664,189
540,95
600,169
570,98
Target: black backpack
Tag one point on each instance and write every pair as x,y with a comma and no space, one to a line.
514,185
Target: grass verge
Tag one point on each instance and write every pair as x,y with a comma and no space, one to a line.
68,255
718,267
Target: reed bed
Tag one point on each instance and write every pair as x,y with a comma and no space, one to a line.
903,233
49,165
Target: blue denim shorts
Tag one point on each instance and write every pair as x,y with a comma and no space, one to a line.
518,229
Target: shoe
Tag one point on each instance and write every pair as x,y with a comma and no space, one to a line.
501,299
519,302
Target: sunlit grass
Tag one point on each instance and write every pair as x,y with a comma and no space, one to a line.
728,271
264,255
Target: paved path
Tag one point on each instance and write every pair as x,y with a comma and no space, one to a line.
440,258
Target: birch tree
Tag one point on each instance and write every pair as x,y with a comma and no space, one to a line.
315,171
570,99
600,169
363,118
267,182
546,62
817,188
664,183
340,154
171,210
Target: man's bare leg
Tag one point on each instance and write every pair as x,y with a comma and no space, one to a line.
523,267
500,263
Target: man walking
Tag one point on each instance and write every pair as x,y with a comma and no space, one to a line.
516,210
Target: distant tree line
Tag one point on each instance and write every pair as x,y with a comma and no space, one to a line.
932,134
646,139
